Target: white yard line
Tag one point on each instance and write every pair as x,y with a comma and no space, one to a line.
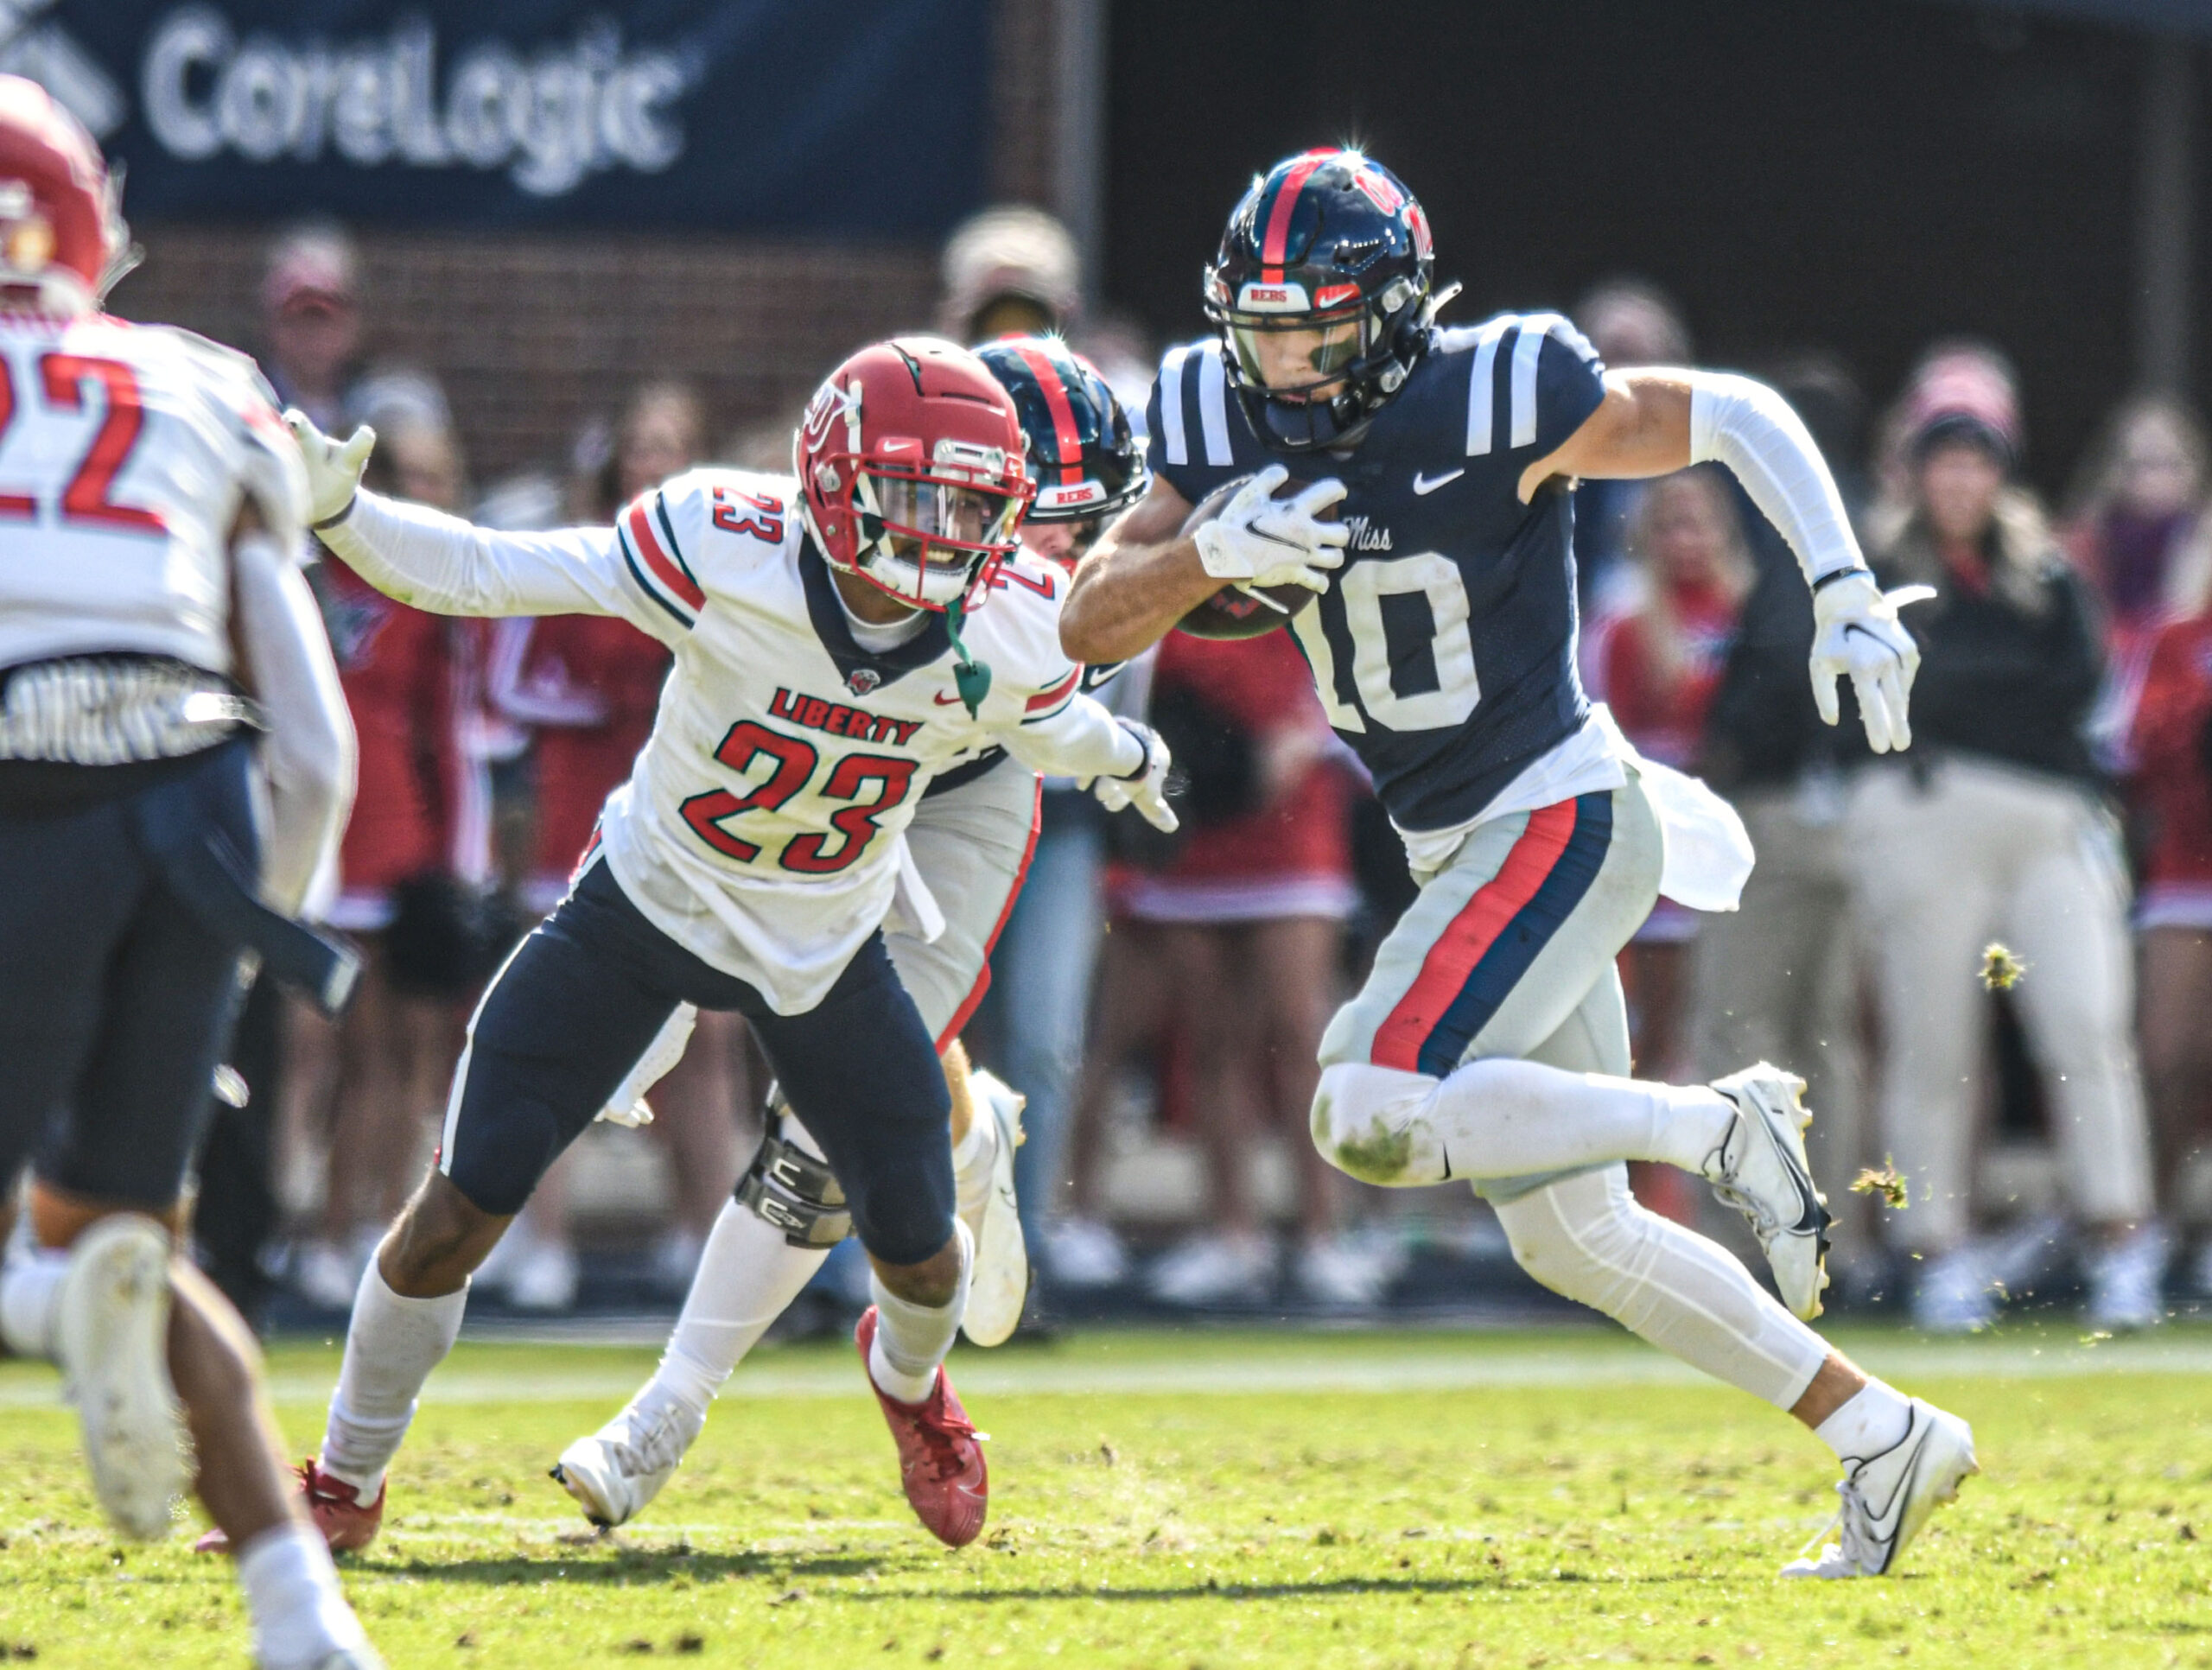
1389,1366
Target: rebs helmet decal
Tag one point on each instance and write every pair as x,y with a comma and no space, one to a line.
62,229
1089,462
1332,243
911,472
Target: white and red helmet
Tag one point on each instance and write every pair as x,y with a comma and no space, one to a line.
911,470
61,231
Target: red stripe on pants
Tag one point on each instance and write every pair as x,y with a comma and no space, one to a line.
962,1016
1444,970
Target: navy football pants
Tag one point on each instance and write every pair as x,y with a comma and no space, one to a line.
584,995
115,1002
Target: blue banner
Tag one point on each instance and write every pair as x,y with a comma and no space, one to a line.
868,118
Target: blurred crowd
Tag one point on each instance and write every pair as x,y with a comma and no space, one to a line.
1991,956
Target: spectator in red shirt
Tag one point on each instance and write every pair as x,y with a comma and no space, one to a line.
1248,916
2138,532
2171,744
1658,661
2136,511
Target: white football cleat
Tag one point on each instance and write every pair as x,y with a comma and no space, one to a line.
998,1281
2127,1282
111,1329
1955,1292
619,1470
1760,1169
1214,1269
1083,1253
1887,1498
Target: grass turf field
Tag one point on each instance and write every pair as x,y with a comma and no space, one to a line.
1209,1498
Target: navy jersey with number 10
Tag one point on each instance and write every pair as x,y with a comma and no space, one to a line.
1444,648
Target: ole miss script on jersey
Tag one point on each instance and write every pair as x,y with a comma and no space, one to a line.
1444,648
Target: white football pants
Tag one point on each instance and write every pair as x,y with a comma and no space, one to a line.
1538,1111
1947,857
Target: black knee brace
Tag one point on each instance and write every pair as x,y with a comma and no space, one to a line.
790,1190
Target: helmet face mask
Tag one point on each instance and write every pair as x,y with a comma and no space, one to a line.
928,542
1322,294
911,472
1298,359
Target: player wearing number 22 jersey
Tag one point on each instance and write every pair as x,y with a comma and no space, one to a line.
1490,1040
839,639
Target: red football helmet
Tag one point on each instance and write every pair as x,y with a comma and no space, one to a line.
61,233
911,471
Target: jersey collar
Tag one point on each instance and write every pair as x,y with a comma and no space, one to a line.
827,616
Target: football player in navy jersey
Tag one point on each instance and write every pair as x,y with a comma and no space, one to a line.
1432,514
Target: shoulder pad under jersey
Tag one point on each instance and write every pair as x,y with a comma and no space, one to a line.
702,530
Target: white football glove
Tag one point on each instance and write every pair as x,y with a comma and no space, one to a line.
1856,631
333,468
628,1106
1260,540
1145,790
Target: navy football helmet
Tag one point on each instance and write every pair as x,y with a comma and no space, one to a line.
1087,462
1331,243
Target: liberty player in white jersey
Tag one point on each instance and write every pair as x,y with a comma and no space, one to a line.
837,645
152,620
972,836
1489,1042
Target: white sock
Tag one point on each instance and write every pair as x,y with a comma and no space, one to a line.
1872,1420
391,1345
1587,1237
29,1282
1500,1117
972,1159
910,1340
747,1276
300,1617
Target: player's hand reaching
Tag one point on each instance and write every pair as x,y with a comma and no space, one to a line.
1856,631
1145,788
334,466
1260,540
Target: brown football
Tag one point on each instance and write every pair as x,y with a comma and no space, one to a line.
1233,611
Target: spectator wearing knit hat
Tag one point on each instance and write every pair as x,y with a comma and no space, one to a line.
1993,828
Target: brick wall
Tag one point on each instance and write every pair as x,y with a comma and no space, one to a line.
1028,128
531,336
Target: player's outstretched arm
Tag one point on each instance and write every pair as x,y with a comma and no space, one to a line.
1082,741
430,561
285,661
1652,422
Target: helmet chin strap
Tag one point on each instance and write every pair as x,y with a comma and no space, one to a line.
971,678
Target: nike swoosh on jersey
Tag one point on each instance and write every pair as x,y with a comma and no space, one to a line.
945,701
1422,485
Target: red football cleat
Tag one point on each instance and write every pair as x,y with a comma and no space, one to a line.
940,1453
339,1513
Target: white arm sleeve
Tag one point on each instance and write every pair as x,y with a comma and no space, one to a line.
308,758
430,561
1751,430
1081,740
